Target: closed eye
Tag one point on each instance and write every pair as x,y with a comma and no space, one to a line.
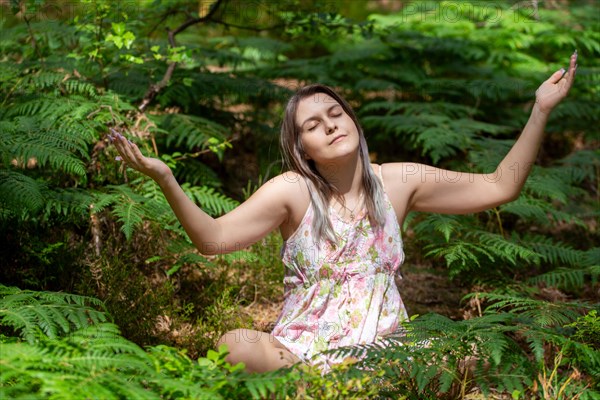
336,111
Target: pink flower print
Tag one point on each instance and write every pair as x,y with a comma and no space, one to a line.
379,236
359,285
351,255
355,318
373,254
363,229
291,331
325,272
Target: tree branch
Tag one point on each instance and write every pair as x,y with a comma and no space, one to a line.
249,28
154,89
30,30
162,19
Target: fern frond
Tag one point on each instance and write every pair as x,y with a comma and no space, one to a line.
75,86
131,215
197,173
542,313
463,255
191,131
46,147
131,84
103,200
402,125
212,202
132,208
418,108
540,211
566,277
547,184
477,247
44,80
592,257
72,202
74,366
52,313
509,250
442,142
554,252
579,166
425,359
19,192
188,258
127,206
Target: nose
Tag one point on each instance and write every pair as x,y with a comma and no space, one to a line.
331,126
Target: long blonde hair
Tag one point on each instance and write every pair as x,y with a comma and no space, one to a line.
321,191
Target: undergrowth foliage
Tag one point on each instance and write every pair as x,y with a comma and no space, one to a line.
70,340
444,83
90,359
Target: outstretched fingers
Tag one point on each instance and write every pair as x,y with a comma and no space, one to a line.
556,88
570,75
557,76
128,151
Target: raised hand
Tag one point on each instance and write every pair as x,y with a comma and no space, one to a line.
556,88
132,156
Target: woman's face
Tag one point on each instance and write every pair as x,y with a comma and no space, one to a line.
326,131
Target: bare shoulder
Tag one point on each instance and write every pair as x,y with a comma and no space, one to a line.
291,188
276,204
286,178
402,168
275,196
402,174
401,181
288,184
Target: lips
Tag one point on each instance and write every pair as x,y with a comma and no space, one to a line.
337,139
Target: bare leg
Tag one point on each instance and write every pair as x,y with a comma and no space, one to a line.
260,351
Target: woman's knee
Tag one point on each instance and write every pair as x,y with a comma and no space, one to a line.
240,344
240,337
259,351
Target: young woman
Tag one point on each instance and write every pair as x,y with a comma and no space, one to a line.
340,218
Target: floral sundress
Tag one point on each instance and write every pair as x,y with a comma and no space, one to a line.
344,294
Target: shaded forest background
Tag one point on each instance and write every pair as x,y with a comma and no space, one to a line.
91,250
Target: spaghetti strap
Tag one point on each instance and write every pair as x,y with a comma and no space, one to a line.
381,176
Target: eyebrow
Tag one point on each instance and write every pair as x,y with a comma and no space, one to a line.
313,117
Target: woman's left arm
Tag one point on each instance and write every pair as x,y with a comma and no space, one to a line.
437,190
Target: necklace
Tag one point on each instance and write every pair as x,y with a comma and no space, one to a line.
359,201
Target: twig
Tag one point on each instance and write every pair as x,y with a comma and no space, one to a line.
30,30
90,115
199,153
249,28
154,89
163,19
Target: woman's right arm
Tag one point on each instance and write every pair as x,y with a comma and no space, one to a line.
264,211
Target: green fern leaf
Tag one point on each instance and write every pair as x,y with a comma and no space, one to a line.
54,314
131,215
447,225
209,200
20,192
191,131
